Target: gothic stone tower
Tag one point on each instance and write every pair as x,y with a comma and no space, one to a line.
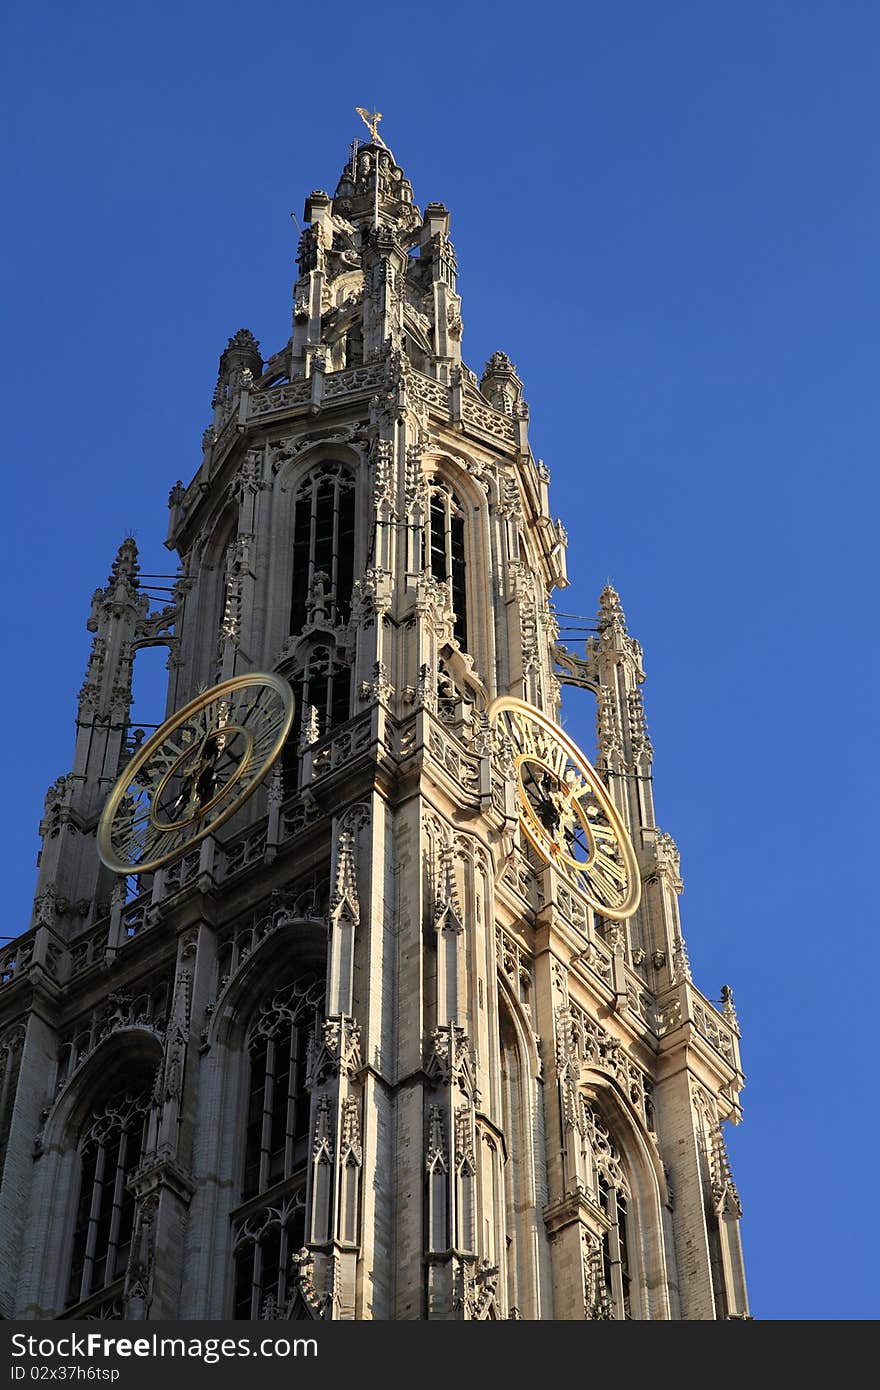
363,1053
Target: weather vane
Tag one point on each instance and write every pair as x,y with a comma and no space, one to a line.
371,120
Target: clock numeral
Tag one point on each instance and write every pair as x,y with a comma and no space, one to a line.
607,877
577,784
159,844
604,836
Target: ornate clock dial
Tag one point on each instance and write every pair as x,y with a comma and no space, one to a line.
195,772
565,810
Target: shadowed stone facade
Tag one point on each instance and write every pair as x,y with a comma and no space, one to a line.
362,1054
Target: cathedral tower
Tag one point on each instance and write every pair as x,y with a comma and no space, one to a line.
367,1049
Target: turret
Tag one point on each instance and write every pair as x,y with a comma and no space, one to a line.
362,289
240,365
68,868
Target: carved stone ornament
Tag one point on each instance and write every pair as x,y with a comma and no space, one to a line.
380,687
436,1154
336,1050
383,476
316,1302
140,1271
450,1060
448,914
344,903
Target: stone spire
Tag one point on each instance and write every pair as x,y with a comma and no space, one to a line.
240,365
116,611
361,291
615,664
67,863
611,622
125,568
501,385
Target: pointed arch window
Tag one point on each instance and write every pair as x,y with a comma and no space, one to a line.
723,1210
354,345
444,556
278,1101
611,1266
323,543
110,1151
268,1232
616,1278
517,1193
323,685
264,1247
10,1066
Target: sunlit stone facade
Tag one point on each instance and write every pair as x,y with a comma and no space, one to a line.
362,1054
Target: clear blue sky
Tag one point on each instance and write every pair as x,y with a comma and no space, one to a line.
668,216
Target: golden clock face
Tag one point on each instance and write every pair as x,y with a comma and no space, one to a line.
565,811
195,772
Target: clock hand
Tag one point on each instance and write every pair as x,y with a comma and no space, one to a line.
542,801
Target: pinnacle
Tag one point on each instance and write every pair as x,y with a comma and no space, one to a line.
610,609
244,338
499,362
125,566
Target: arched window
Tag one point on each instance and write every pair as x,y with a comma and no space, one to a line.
444,556
516,1191
354,345
723,1210
110,1151
275,1146
264,1246
323,543
323,685
611,1271
10,1066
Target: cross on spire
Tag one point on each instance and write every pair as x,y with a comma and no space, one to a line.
371,120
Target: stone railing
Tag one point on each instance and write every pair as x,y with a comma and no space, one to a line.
135,917
223,439
432,392
598,956
685,1004
476,414
89,949
462,767
318,388
520,878
242,853
297,813
279,398
17,957
490,421
714,1029
181,872
340,747
575,911
352,380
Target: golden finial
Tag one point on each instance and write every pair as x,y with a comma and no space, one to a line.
371,120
